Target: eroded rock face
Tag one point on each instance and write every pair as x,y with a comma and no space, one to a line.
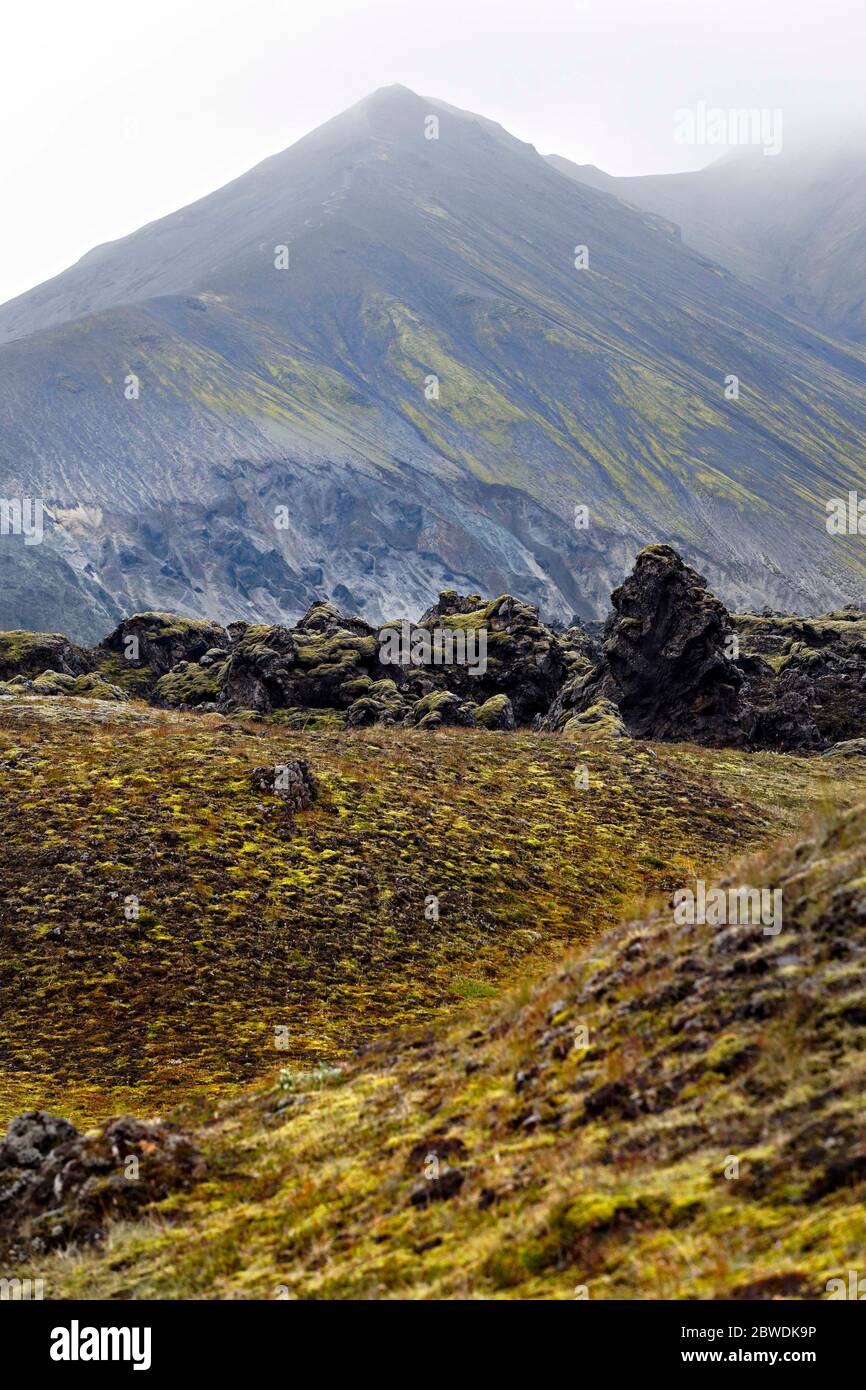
664,662
29,654
59,1187
162,640
805,678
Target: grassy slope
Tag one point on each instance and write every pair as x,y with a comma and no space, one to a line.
245,926
597,1170
310,1188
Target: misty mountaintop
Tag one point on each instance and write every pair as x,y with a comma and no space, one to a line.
419,399
792,225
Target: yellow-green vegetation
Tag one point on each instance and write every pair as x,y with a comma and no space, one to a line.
190,684
675,1112
162,919
137,681
29,653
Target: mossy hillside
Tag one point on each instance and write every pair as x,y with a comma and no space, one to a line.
675,1112
647,441
248,921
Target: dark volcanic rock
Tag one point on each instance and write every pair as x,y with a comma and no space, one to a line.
664,663
805,678
524,657
582,654
496,713
332,662
59,1187
162,640
30,653
673,664
293,782
318,664
31,1137
259,673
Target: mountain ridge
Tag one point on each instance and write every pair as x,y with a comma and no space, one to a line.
305,390
792,226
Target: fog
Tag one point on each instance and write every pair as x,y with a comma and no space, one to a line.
113,115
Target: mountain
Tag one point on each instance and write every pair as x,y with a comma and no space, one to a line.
284,443
793,226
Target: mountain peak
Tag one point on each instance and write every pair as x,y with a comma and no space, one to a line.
386,335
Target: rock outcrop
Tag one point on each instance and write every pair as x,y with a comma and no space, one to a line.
28,654
59,1187
159,641
664,661
805,678
670,663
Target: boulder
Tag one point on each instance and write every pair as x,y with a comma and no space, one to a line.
379,703
292,782
161,640
59,1187
601,720
496,713
442,707
190,684
664,661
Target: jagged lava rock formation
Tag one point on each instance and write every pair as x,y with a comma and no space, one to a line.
673,664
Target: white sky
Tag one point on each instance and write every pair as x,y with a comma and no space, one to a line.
112,114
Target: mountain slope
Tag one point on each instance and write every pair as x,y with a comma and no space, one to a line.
793,226
304,390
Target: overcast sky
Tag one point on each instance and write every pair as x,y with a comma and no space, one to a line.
112,114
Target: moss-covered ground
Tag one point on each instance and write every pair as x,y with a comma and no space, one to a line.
587,1115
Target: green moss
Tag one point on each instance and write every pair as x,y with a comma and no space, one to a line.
191,684
489,714
138,681
321,928
54,683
